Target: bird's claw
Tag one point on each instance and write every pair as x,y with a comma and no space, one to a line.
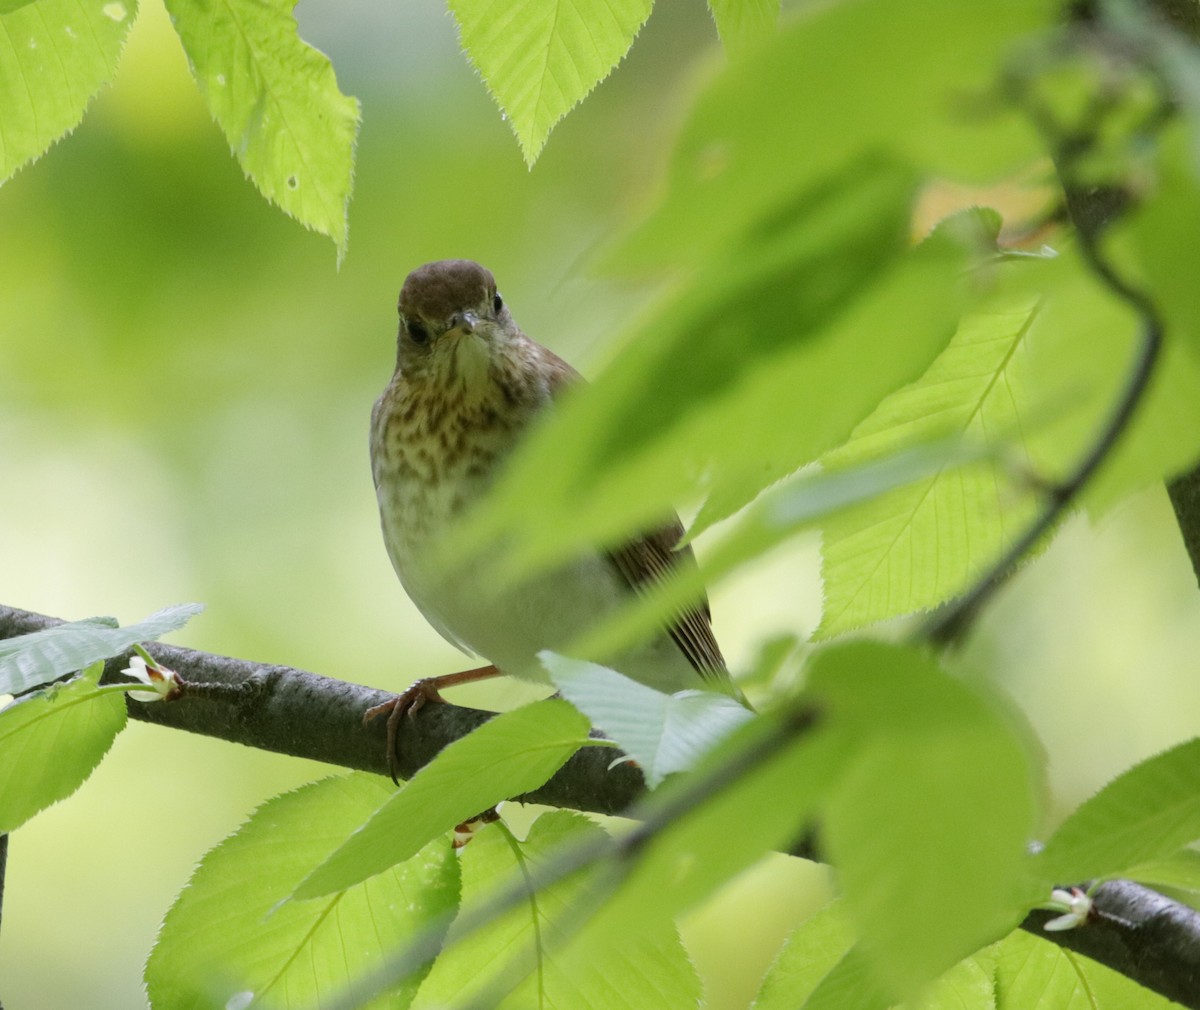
407,703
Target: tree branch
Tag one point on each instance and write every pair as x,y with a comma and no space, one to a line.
289,711
1143,935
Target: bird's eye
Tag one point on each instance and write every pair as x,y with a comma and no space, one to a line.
497,303
417,332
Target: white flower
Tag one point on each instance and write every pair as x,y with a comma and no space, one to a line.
165,684
1076,905
6,700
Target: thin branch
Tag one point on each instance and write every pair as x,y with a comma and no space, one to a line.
1091,209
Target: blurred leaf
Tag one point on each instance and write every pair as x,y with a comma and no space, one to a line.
506,756
277,102
664,733
1180,871
917,546
674,407
539,58
925,891
57,54
224,934
783,511
810,953
544,951
42,656
929,101
743,24
1033,974
896,326
52,741
765,808
1144,814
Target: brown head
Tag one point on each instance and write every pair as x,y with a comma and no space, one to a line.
449,309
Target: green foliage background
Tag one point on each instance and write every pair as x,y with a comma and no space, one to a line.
184,389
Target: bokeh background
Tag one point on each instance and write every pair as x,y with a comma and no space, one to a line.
185,381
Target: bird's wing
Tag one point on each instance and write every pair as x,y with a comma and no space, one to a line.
652,557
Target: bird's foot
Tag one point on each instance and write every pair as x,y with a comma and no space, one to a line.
410,702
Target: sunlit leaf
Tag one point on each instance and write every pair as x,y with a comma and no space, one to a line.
539,58
743,24
543,950
52,741
42,656
664,733
923,891
277,102
54,56
851,984
511,754
224,935
811,952
1033,974
1180,871
917,546
1146,813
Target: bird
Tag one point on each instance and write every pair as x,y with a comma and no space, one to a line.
468,387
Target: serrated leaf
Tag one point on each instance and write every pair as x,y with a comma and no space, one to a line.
540,58
744,24
277,101
1146,813
851,984
917,546
810,953
511,754
930,817
664,733
52,741
42,656
224,935
543,951
54,56
1033,974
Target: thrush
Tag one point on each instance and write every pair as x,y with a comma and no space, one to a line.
468,387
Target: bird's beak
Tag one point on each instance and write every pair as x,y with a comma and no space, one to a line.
464,322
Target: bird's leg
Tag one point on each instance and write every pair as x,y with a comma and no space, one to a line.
409,702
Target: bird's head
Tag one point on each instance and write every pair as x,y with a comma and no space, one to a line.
452,320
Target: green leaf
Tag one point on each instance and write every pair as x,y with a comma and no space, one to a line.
54,56
851,984
912,102
277,102
1034,974
664,733
672,408
224,934
921,544
511,754
811,952
539,58
543,951
765,808
1146,813
1180,871
42,656
744,24
929,819
780,513
52,741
